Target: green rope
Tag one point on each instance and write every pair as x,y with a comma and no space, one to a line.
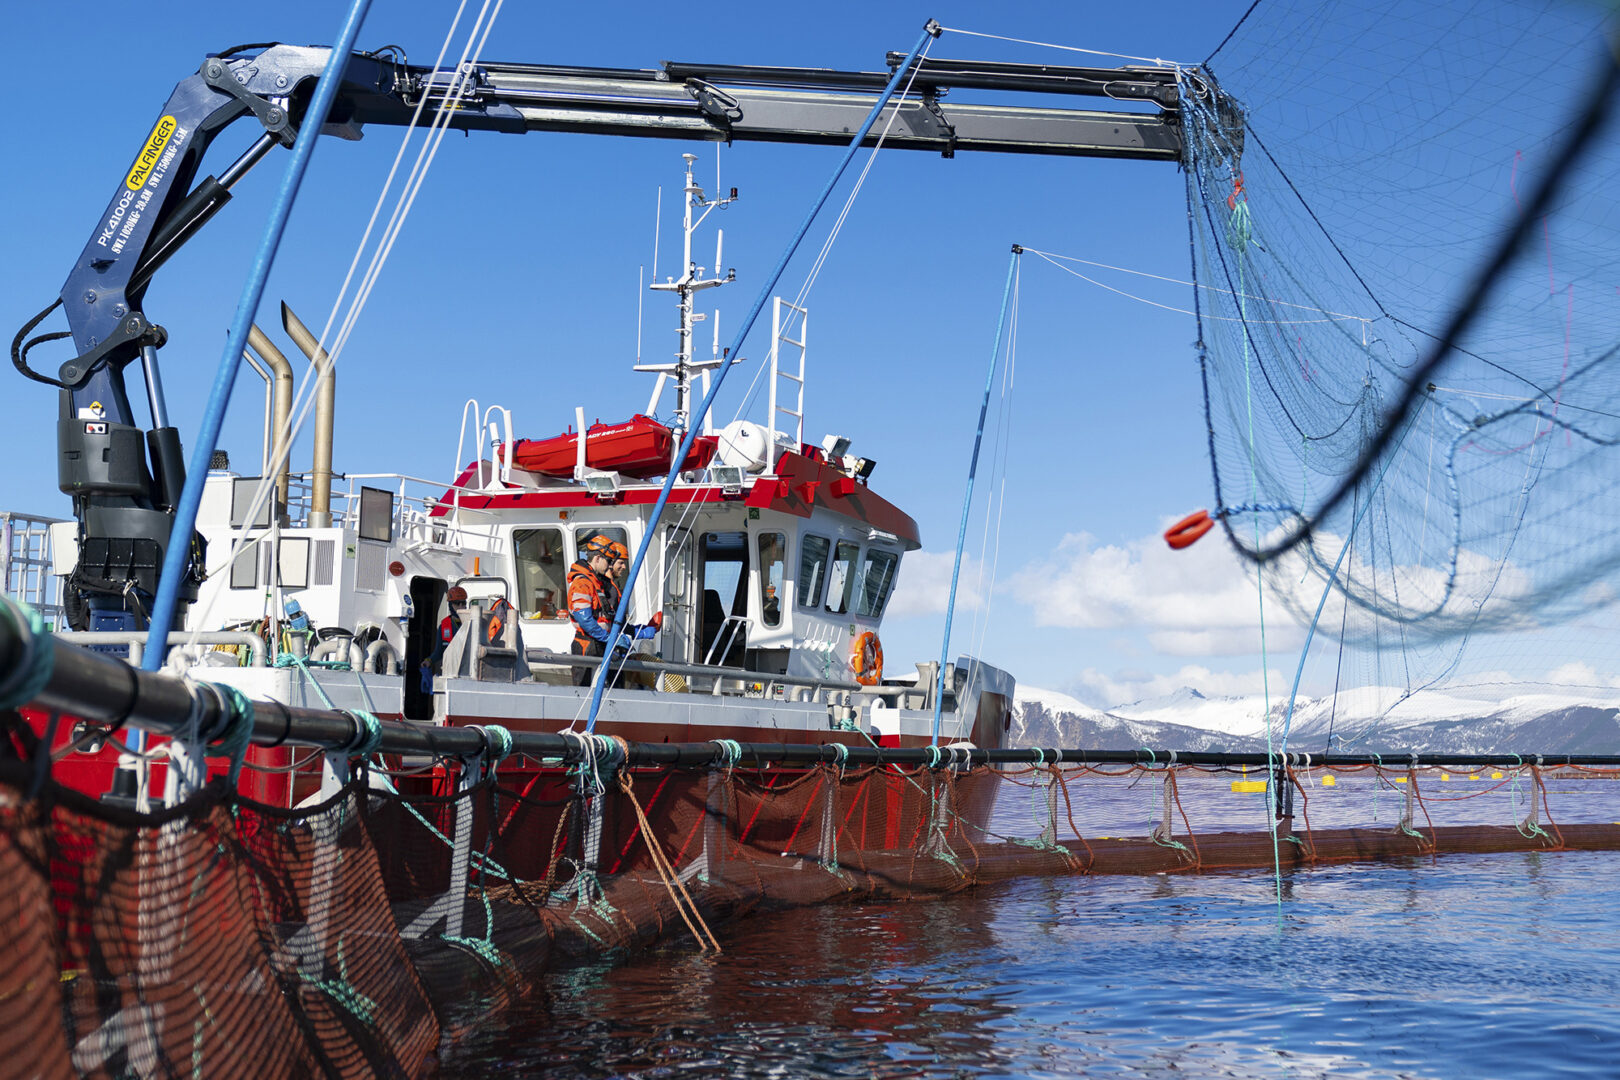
343,992
731,750
1526,827
31,677
485,864
288,659
238,733
484,947
1239,234
368,736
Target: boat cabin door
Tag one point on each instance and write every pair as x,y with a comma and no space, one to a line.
675,641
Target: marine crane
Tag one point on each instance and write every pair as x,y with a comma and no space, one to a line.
124,492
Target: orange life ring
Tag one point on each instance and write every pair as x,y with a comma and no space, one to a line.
1188,530
866,659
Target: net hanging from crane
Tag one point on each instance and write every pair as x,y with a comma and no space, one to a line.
1388,153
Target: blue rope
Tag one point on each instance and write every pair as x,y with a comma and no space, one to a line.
967,496
651,530
1256,508
185,515
31,677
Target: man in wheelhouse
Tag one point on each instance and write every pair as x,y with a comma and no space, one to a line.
593,597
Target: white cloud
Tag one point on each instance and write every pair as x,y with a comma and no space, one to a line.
924,585
1194,602
1123,686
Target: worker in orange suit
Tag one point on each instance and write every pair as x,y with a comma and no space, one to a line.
593,598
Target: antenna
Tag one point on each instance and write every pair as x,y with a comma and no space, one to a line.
641,272
719,239
658,219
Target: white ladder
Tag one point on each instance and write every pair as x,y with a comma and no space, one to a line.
780,335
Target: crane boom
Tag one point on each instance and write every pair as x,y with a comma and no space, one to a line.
124,502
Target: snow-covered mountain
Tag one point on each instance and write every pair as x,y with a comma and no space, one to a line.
1048,718
1369,719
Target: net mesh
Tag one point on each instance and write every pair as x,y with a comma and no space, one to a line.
363,934
1339,226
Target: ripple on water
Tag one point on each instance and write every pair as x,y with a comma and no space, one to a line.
1504,966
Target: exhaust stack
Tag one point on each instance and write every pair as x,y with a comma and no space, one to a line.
280,408
320,479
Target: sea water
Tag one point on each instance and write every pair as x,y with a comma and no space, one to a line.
1460,966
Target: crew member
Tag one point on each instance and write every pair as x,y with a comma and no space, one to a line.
593,598
447,632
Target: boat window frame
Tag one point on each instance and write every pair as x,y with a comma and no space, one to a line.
763,568
560,592
851,579
872,554
814,602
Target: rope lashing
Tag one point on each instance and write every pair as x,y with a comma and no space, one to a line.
730,752
840,754
368,734
497,741
934,756
31,676
233,740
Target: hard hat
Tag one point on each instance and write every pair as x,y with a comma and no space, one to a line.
458,595
597,545
617,550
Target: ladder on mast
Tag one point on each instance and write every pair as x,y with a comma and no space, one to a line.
781,334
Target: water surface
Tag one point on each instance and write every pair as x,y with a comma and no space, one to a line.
1469,965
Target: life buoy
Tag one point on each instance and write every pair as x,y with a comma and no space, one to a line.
1188,530
866,659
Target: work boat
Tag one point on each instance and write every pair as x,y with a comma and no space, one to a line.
772,568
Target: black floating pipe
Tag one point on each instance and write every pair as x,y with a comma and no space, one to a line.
104,690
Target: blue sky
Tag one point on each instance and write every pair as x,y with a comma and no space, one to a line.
515,282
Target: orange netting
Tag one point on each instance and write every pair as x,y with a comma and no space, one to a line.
359,935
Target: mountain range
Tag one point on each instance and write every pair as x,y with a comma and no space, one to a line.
1368,720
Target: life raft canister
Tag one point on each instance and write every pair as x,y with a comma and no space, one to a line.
866,659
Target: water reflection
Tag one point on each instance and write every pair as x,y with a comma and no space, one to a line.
1410,969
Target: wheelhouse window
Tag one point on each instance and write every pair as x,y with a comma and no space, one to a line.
877,582
813,552
841,578
542,571
772,566
612,532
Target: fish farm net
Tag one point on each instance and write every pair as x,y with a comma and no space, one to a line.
366,932
1403,240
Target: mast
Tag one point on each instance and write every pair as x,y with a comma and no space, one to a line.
686,287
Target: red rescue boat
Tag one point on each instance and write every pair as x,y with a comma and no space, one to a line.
640,447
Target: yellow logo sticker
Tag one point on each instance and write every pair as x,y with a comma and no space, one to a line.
150,153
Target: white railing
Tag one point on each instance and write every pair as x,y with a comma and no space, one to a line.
25,564
415,501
